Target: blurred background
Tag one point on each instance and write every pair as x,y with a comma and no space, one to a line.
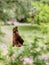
32,19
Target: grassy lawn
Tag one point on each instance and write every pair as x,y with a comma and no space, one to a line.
36,39
27,32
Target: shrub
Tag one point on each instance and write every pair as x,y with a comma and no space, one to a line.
42,12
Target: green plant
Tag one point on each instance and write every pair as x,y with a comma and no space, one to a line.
36,44
10,51
42,12
29,20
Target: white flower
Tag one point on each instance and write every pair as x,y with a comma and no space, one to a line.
28,60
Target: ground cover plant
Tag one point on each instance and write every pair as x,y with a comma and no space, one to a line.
35,51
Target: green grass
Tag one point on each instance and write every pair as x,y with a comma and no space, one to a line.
28,32
36,39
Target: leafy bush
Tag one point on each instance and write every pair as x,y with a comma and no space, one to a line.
29,20
42,12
